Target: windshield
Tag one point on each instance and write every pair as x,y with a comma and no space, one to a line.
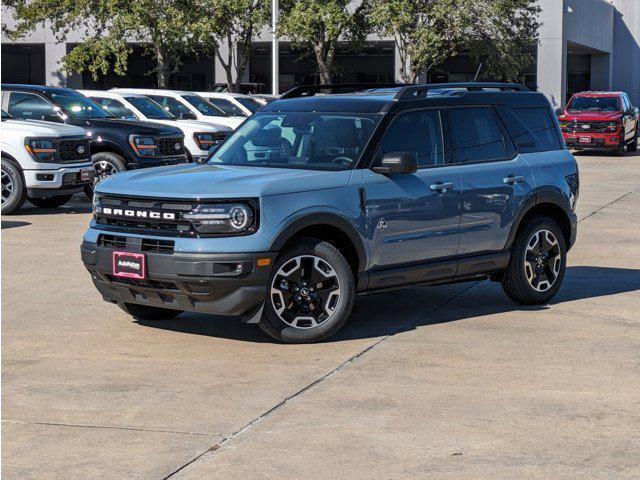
305,140
149,108
595,104
171,105
80,107
250,103
226,106
204,107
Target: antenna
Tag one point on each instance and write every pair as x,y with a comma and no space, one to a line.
475,79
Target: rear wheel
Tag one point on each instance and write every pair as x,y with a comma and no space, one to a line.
145,312
538,262
311,293
50,202
13,191
104,164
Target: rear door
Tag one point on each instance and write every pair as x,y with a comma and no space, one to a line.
413,217
494,179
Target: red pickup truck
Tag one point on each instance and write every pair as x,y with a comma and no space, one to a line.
600,120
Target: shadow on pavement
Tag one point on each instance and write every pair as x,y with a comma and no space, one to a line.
601,153
13,224
400,310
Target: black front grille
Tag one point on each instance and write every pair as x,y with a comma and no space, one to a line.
157,246
167,146
73,150
586,127
112,241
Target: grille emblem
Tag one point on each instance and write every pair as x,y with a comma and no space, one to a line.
177,146
80,149
136,213
585,126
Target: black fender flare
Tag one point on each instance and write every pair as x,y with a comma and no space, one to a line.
312,219
539,196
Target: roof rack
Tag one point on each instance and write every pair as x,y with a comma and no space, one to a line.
311,90
415,91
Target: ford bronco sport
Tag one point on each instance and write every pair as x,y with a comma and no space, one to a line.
319,197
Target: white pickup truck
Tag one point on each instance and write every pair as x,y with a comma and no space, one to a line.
43,162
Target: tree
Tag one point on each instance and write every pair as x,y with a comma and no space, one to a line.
110,26
426,32
502,36
233,24
319,25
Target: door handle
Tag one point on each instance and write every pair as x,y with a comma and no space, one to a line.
512,179
441,187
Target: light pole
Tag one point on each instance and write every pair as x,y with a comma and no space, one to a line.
275,85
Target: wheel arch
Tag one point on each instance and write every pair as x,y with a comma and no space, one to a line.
328,227
110,147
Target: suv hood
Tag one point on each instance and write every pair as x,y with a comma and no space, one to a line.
132,126
38,128
589,116
220,181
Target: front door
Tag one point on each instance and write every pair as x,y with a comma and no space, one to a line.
415,217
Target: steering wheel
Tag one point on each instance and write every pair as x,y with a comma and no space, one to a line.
343,160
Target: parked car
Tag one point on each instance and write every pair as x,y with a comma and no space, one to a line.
199,136
315,199
600,120
187,105
116,144
233,103
43,162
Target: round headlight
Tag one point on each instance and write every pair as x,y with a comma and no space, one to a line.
239,217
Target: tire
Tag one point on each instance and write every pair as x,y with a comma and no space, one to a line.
50,202
318,285
14,192
632,146
105,164
520,279
144,312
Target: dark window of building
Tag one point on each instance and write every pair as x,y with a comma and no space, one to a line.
419,133
476,135
23,63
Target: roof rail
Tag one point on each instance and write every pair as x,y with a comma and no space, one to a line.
415,91
311,90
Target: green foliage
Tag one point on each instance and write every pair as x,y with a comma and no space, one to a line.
233,24
319,24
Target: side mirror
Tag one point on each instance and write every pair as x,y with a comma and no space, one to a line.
558,111
188,116
396,163
51,117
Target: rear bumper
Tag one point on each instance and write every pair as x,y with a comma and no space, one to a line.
194,282
573,220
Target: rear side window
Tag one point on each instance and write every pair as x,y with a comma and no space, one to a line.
29,106
475,135
539,122
419,133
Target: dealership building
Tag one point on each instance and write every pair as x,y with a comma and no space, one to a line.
582,45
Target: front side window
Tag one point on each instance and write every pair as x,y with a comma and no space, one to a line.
171,105
149,108
204,107
303,140
419,133
475,135
29,106
226,106
114,107
79,106
594,104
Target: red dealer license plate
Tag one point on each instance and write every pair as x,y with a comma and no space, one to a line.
129,265
585,139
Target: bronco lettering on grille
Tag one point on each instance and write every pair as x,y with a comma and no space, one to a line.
135,213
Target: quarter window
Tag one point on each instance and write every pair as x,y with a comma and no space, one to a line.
539,123
29,106
419,133
476,136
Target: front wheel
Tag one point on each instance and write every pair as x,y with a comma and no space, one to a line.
50,202
538,262
105,164
145,312
311,293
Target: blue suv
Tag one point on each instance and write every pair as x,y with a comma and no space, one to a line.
334,191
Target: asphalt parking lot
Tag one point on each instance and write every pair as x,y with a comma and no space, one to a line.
451,382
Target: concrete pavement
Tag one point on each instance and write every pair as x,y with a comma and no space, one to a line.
441,382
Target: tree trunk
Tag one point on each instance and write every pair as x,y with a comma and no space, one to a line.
228,69
325,65
162,68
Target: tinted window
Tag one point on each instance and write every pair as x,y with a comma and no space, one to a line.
171,105
419,133
252,104
305,140
79,106
541,125
594,104
476,136
203,106
149,108
28,106
114,107
226,106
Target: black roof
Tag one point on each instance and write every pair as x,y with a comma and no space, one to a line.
38,88
385,98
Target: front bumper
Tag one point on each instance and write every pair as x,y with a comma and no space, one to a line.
596,141
193,282
58,181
